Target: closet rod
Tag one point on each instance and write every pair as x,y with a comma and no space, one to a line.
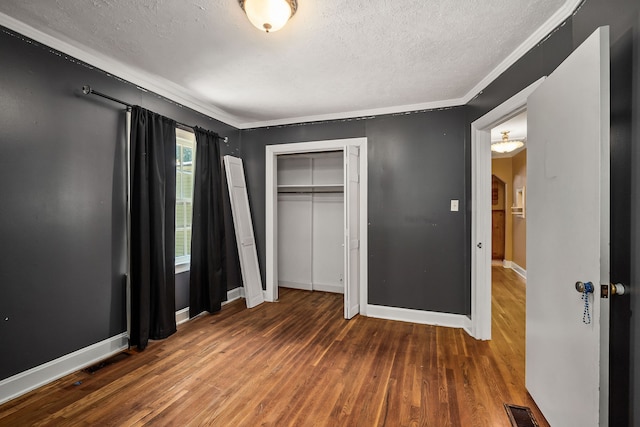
88,90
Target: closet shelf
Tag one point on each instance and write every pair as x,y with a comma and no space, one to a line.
311,188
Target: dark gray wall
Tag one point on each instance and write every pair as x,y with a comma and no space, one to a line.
62,215
417,246
416,165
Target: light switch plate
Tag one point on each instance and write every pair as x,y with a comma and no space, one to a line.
454,206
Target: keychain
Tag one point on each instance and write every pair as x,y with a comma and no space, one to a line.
585,289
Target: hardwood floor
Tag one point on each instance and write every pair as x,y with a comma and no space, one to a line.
298,362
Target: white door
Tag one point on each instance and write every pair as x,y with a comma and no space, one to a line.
244,231
352,226
568,238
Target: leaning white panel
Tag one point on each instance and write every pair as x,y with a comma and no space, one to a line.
251,279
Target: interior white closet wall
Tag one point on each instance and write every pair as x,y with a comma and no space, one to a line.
311,221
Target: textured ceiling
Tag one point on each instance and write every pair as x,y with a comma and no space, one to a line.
334,59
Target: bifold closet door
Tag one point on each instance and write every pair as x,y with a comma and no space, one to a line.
352,233
328,238
251,279
294,240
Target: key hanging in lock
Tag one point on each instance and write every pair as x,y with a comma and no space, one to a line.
585,289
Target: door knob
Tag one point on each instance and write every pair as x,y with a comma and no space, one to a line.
584,288
617,289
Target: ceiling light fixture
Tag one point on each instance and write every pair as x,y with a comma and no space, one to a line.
506,145
269,15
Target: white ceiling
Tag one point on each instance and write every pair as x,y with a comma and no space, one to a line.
334,59
516,126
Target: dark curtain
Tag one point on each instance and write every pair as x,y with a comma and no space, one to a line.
208,281
153,199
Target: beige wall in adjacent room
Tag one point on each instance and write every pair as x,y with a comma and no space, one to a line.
519,170
502,168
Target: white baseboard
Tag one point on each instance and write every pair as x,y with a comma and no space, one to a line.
234,294
418,316
33,378
182,316
295,285
322,287
328,287
506,263
521,271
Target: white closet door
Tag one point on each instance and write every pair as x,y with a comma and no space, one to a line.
244,231
328,236
351,235
294,241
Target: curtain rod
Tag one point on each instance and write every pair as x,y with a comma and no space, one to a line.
88,90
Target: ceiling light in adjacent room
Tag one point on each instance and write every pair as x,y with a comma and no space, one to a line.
269,15
506,145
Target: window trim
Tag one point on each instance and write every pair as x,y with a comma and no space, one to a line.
183,263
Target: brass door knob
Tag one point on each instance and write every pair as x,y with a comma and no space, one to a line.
617,289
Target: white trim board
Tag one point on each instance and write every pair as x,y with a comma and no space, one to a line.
515,267
24,382
182,315
234,294
480,208
521,271
271,208
178,93
329,287
295,285
448,320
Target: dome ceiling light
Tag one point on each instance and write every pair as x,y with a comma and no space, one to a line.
506,145
269,15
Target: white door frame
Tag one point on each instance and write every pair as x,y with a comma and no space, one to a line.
481,208
271,208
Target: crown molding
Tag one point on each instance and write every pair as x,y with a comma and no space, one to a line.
177,94
534,39
356,114
139,78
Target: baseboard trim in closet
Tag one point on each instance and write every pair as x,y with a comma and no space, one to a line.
328,287
418,316
295,285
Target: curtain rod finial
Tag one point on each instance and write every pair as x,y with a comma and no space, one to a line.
86,89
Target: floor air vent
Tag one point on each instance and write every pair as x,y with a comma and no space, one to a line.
520,416
115,359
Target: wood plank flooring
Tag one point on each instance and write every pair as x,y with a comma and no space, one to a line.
297,362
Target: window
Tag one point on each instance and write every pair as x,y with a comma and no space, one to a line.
185,165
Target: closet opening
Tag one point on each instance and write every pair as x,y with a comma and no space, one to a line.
311,221
316,219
